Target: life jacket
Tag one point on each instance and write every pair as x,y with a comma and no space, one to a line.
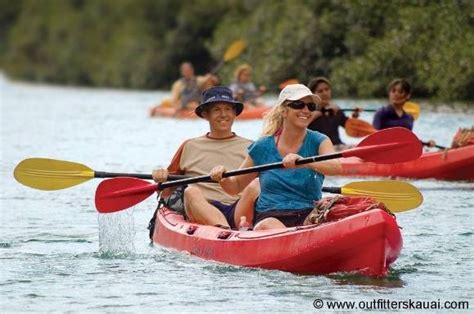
190,91
463,137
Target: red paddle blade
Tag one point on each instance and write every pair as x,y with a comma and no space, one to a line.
388,146
121,193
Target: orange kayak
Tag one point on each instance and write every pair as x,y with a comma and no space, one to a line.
163,110
452,164
366,243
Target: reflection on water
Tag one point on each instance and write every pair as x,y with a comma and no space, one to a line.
392,280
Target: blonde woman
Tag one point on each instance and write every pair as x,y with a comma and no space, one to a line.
244,89
287,195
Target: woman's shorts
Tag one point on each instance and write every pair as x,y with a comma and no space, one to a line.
227,210
289,218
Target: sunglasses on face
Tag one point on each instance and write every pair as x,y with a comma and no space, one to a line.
298,105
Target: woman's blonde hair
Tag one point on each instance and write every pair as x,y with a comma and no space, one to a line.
241,68
273,120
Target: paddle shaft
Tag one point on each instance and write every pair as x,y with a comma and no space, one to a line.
217,67
276,165
437,146
364,152
333,190
366,110
103,174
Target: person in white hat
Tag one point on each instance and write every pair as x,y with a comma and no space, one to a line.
287,196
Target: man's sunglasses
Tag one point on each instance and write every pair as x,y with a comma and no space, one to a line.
298,104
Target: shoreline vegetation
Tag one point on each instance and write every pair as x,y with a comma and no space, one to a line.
360,45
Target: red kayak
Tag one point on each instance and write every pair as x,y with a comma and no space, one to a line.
365,243
452,164
249,113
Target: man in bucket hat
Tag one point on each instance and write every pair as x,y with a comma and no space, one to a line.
207,203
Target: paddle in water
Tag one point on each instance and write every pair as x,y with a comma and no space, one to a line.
51,174
386,146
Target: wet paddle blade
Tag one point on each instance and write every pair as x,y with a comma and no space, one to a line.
358,128
50,174
388,146
116,194
398,196
412,108
234,50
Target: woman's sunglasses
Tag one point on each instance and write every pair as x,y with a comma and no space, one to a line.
299,104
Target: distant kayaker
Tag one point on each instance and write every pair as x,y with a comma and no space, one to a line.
392,115
287,195
186,91
207,203
330,117
244,89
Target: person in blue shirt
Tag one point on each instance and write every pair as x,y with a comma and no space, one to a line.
286,195
393,115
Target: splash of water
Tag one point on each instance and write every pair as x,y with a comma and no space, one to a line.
117,233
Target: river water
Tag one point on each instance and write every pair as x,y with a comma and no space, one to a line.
58,254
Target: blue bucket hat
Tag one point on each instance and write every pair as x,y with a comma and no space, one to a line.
218,94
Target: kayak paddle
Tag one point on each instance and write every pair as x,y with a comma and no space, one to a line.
412,108
362,110
360,128
385,146
397,196
437,146
121,193
232,52
51,174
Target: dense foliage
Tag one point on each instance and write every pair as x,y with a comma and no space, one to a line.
360,45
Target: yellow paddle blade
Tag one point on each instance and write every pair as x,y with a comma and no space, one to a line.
412,108
234,50
50,174
398,196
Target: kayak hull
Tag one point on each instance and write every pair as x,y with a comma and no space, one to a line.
453,164
366,243
249,113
